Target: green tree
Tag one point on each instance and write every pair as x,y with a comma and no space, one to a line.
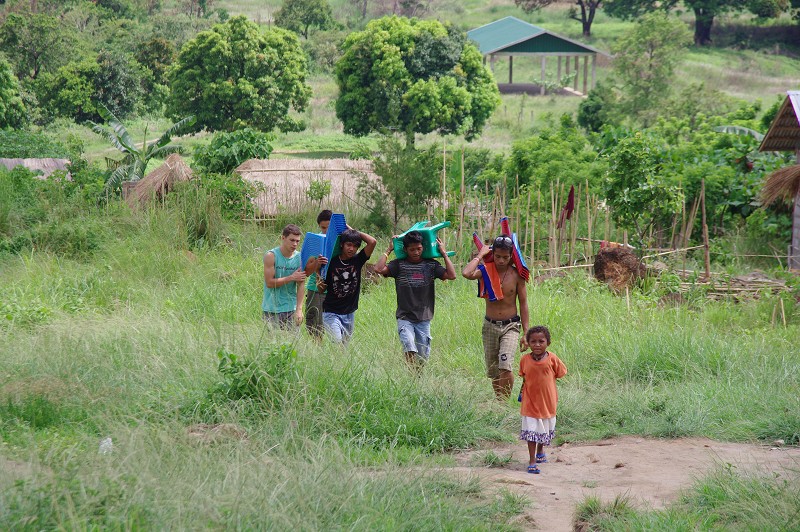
635,189
410,178
226,151
644,61
157,55
705,11
12,110
135,161
413,76
34,42
588,10
301,15
235,75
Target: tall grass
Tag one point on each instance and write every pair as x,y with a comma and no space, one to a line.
124,344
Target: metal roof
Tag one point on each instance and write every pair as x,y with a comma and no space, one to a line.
512,35
784,132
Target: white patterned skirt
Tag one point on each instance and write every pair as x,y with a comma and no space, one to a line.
538,430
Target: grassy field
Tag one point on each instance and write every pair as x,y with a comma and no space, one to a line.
126,342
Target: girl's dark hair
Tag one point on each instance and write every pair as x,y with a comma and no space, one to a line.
538,329
350,235
324,216
412,237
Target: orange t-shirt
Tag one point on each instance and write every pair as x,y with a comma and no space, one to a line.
539,393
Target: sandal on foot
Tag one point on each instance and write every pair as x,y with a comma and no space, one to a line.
541,458
533,469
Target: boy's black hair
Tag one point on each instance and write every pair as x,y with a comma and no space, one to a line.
538,329
412,237
291,229
350,235
503,242
324,216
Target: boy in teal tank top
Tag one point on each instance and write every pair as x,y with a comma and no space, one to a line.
284,277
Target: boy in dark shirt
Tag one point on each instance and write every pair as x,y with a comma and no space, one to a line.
414,282
343,284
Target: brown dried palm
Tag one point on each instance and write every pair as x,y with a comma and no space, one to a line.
781,184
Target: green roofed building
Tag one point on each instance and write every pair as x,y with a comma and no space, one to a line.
510,37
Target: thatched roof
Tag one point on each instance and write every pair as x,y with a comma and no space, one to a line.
781,184
158,182
286,181
784,132
45,166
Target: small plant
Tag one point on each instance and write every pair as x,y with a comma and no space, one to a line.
592,514
318,190
228,150
492,459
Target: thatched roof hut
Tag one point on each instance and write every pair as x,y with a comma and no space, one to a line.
784,135
157,183
46,166
285,182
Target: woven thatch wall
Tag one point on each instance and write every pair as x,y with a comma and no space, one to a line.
45,166
158,182
286,181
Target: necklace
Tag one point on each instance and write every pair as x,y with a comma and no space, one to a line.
540,357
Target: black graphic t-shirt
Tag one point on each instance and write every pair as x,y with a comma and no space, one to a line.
414,286
344,284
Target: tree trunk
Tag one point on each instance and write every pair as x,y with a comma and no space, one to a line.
703,20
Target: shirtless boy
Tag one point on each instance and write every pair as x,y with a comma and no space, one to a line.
504,319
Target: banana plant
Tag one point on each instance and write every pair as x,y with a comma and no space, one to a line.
135,159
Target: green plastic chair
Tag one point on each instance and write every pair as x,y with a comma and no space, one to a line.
429,248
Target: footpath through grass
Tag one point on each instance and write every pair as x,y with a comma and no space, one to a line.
214,424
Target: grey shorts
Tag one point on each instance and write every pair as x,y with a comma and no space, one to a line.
500,342
314,313
282,320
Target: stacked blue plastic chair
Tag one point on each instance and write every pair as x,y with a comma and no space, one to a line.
316,244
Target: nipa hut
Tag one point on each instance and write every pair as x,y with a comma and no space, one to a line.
285,182
157,183
45,166
784,135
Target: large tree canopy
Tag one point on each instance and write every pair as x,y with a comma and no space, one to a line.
413,76
236,75
12,110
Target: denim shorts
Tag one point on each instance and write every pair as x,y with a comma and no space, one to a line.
415,337
339,326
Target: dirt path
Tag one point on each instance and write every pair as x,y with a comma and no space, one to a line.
650,472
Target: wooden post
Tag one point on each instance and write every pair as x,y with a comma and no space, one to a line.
444,181
575,81
463,194
510,69
589,248
559,69
594,70
544,73
706,254
585,73
794,249
551,248
529,222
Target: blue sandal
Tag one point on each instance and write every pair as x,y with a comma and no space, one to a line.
541,458
533,468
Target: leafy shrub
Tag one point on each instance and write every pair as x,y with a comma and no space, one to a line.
259,381
22,314
234,193
228,150
18,144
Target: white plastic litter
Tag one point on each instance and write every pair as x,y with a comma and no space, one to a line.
106,446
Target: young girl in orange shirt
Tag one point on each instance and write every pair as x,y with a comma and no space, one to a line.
539,370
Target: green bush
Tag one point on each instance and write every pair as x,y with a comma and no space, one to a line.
75,238
234,193
228,150
19,144
200,214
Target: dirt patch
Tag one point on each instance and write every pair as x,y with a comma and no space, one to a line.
215,433
650,472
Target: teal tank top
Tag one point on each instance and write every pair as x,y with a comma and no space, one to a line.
283,298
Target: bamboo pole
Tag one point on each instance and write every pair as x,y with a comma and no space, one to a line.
444,181
706,255
528,225
589,247
461,209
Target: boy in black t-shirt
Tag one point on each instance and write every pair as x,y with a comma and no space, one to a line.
414,278
343,284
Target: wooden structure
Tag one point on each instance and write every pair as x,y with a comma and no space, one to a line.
784,135
510,37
